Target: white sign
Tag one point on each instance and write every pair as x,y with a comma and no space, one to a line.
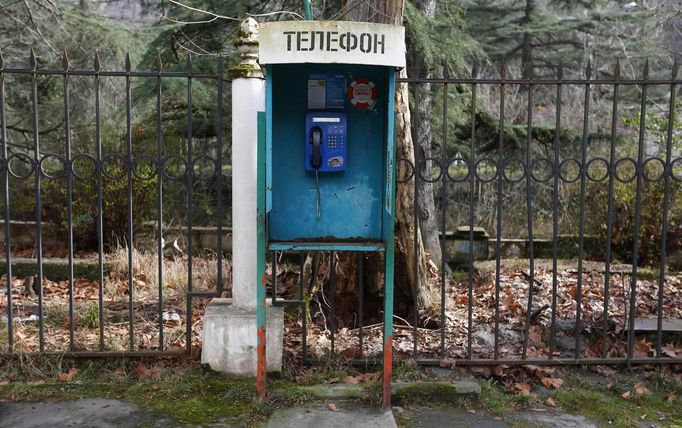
324,42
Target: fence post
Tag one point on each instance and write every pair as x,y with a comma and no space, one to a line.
230,338
248,98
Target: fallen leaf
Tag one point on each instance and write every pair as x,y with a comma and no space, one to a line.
482,370
552,382
351,353
550,402
523,388
626,395
354,380
643,348
144,372
68,376
4,382
641,389
669,350
332,407
669,396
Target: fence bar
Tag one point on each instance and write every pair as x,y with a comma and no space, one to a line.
472,178
361,291
100,203
463,81
609,213
581,227
444,207
332,298
555,208
113,73
69,196
304,307
529,213
6,213
189,173
505,81
273,280
415,249
638,209
666,206
498,238
38,214
129,169
159,196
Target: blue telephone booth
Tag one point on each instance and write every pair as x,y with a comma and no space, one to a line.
327,147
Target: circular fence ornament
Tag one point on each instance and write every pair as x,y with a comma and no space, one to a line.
362,93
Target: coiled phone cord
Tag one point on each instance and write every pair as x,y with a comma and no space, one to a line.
317,182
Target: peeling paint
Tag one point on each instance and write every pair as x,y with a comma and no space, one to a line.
388,369
260,370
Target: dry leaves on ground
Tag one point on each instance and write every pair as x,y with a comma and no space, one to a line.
68,376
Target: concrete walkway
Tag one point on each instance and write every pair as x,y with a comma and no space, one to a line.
106,413
318,415
457,418
96,413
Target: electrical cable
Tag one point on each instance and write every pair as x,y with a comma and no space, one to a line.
317,183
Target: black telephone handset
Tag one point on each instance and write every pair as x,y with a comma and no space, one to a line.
316,141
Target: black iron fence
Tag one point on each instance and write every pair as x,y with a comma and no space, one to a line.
553,164
107,182
614,183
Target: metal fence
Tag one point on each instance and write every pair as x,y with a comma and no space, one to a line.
526,312
103,162
520,176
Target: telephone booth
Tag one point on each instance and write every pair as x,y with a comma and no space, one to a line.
326,167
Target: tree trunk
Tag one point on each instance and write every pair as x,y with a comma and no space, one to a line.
422,137
391,12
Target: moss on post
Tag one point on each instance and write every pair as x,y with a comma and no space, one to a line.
247,44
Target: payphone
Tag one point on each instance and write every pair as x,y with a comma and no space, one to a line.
326,168
327,146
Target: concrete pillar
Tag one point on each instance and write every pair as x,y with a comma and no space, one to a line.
248,98
230,338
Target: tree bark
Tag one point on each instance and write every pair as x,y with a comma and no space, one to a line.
422,137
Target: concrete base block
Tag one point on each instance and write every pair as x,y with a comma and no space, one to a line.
230,338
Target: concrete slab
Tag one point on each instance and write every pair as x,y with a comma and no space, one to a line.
318,415
96,413
230,339
443,417
551,419
454,418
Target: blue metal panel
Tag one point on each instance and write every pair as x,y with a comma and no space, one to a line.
325,246
268,139
390,148
351,201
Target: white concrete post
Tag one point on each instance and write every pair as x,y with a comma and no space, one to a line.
230,337
248,98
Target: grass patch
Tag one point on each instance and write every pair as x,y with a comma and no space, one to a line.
408,371
493,399
634,399
189,393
